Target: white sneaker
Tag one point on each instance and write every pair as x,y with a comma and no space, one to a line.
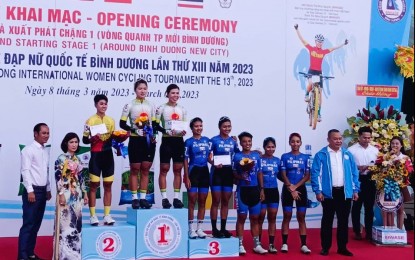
259,250
192,234
305,250
94,220
272,249
242,250
284,248
108,220
200,233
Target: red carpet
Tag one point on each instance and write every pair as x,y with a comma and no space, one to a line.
360,249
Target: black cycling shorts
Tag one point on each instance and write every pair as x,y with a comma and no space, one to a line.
139,150
271,195
102,162
222,177
199,177
288,200
172,148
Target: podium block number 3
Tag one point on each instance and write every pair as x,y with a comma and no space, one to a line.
214,248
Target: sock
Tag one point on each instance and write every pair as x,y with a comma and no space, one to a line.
176,193
240,241
223,224
163,193
134,195
191,224
259,238
107,210
199,224
213,222
92,211
284,239
271,240
303,239
256,241
143,194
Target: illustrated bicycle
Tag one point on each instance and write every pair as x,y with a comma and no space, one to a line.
314,104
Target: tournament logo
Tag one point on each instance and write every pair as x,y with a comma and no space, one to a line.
108,244
388,203
162,234
392,10
225,3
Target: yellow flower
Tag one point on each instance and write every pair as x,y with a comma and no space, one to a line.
375,125
392,125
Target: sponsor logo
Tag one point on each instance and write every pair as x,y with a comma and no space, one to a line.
385,202
162,234
108,244
225,3
392,10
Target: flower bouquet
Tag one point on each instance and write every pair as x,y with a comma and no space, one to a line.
246,165
118,138
404,59
385,124
391,174
143,123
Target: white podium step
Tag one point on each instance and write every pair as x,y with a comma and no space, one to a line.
212,247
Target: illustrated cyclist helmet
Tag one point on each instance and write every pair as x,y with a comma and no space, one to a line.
319,38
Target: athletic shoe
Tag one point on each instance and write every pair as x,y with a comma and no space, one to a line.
135,204
242,250
192,234
284,248
272,249
144,204
226,233
305,250
307,98
94,220
319,119
200,233
177,204
259,250
108,220
217,234
165,203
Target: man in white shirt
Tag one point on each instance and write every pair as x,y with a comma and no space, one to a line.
35,174
365,155
335,180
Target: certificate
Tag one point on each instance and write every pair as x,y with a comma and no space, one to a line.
98,129
222,159
178,126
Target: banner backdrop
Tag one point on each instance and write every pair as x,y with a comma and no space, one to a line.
235,58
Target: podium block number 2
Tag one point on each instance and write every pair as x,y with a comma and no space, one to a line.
108,244
214,248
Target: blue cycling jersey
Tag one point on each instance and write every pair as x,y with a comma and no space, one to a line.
197,151
222,146
253,174
270,167
295,166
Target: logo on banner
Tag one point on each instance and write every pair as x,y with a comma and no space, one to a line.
108,244
225,3
190,3
162,234
392,10
386,203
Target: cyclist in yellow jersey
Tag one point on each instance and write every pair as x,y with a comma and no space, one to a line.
170,115
142,144
98,131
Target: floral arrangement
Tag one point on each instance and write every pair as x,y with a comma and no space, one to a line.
391,173
404,59
246,166
385,124
118,138
142,120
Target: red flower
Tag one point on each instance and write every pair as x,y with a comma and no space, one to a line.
381,114
365,118
398,116
366,112
377,108
390,111
144,114
175,116
359,114
408,165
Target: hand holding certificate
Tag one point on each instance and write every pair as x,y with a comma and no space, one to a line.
224,160
178,126
98,129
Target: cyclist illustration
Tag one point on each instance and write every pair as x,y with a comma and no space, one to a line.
317,54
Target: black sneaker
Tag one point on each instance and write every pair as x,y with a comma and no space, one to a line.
144,204
135,204
165,203
217,234
177,204
226,233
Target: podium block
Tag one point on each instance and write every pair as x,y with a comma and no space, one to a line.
108,242
212,247
160,233
389,235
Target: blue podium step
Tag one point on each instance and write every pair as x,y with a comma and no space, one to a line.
108,242
161,233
